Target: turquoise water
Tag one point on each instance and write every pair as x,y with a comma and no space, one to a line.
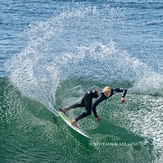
52,52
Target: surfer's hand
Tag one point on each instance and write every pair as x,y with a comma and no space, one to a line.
98,118
122,99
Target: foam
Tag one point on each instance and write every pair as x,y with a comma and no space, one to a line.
72,43
148,121
53,52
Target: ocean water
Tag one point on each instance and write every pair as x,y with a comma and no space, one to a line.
51,52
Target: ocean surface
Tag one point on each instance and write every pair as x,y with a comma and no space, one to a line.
52,52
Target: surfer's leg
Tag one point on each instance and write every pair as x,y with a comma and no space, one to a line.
88,104
78,104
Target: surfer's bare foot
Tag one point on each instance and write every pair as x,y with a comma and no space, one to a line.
73,122
63,110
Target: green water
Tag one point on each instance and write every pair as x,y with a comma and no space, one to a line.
30,133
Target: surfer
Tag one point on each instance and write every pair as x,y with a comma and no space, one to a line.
100,95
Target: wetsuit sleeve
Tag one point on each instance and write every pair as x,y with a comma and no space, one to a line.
123,90
98,100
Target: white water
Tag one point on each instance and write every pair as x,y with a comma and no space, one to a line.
66,45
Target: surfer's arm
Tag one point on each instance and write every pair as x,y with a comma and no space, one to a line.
123,90
98,100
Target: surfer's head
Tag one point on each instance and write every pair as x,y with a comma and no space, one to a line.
107,91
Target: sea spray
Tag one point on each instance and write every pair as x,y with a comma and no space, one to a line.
74,44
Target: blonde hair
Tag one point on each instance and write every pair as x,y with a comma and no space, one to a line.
107,91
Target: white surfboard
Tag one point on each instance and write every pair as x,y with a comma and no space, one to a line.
68,121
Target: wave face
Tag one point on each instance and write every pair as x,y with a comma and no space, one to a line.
74,43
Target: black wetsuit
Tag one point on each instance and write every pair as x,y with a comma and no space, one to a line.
87,101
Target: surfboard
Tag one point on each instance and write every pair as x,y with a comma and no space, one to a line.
68,121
